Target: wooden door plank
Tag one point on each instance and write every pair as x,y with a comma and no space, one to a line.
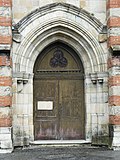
72,121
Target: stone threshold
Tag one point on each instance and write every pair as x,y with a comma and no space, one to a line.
59,142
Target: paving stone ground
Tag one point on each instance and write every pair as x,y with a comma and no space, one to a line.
81,152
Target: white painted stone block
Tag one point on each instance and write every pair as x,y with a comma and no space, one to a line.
114,90
116,134
114,32
5,31
5,137
6,144
5,71
114,12
5,46
5,111
114,71
116,141
4,151
5,11
114,110
5,91
5,130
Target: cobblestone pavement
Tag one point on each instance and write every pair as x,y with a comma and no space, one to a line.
62,153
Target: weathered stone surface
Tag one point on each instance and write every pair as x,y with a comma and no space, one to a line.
114,90
102,37
114,110
5,71
5,31
115,31
6,144
5,46
114,71
5,91
5,130
5,11
5,137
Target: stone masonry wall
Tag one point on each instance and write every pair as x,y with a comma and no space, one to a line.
5,76
113,23
95,7
26,49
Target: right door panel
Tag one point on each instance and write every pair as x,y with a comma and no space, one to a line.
71,109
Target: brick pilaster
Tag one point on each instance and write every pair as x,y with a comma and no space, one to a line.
114,101
5,75
113,24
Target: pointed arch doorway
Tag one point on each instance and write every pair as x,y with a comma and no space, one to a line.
59,110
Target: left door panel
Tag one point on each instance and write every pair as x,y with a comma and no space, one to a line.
45,109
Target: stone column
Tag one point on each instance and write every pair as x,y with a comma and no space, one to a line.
113,23
5,77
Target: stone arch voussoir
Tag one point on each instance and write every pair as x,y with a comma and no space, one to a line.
36,36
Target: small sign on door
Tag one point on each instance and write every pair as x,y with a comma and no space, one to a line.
45,105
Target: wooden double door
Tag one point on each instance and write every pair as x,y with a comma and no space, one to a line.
59,111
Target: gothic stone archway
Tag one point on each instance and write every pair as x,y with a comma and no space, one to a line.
34,33
59,111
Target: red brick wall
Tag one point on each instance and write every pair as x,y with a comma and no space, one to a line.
115,120
114,81
113,4
113,25
5,62
5,122
113,40
113,21
7,3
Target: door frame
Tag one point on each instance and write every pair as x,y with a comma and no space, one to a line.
73,74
